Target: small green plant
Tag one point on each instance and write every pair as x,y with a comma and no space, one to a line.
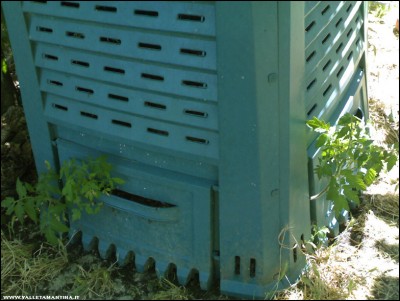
319,236
350,160
49,205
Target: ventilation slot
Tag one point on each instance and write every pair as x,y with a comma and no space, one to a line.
327,90
195,18
349,57
141,200
70,4
237,265
197,140
311,110
44,29
55,83
295,253
109,9
325,9
196,113
59,107
194,84
252,267
326,38
149,46
90,115
80,63
311,84
339,73
349,32
311,25
338,22
118,97
339,47
158,132
326,65
193,52
152,76
310,56
115,70
77,35
85,90
155,105
149,13
50,57
110,40
121,123
349,7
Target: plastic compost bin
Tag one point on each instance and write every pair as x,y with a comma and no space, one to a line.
201,108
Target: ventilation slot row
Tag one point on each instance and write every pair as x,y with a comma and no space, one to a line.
187,17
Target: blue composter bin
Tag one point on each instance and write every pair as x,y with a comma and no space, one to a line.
201,109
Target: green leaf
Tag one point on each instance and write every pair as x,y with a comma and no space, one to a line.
318,125
322,139
118,181
8,203
370,176
354,180
351,195
391,161
76,214
58,226
19,211
21,190
340,204
343,132
3,61
50,236
30,209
